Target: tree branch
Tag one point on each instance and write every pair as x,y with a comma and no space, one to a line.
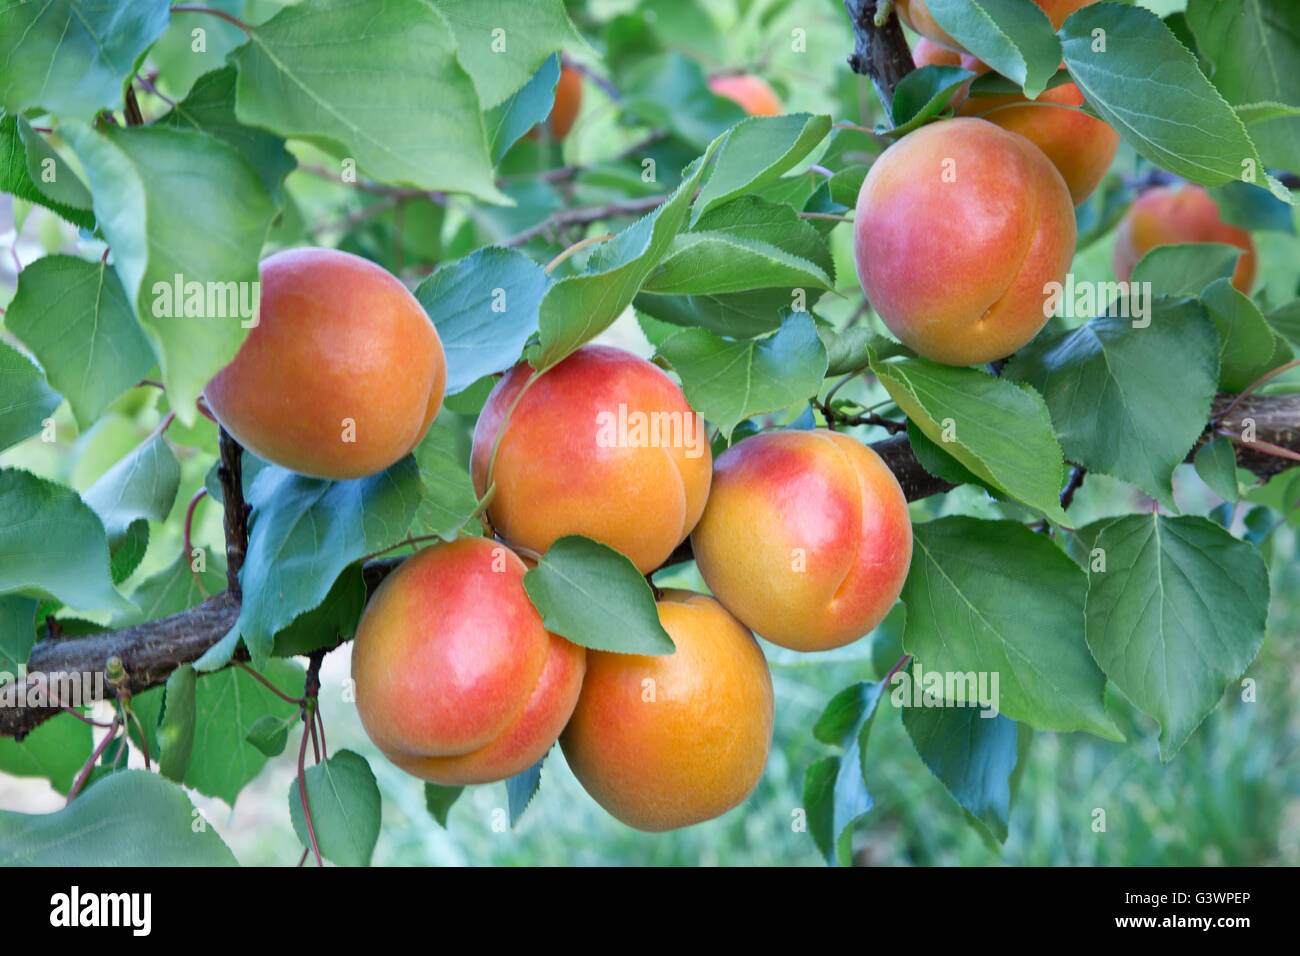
880,53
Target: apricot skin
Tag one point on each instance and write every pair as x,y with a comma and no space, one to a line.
1162,216
554,477
751,93
806,537
696,748
568,100
959,226
457,681
338,340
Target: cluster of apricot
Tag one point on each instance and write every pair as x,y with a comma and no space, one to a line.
803,536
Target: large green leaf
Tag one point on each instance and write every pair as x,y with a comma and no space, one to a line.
758,151
305,532
501,43
1184,268
1012,36
30,169
998,429
160,227
485,308
1175,614
72,56
53,544
55,750
740,315
1148,87
594,596
130,818
80,325
835,791
993,597
1247,342
415,120
1128,402
728,382
26,401
142,484
345,809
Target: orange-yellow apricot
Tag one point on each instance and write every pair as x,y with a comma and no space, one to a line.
806,537
604,445
568,100
1163,216
668,741
959,227
751,93
341,376
457,681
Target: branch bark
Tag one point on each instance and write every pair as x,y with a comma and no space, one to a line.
880,53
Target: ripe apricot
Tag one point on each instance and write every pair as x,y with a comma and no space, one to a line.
457,681
568,100
751,93
669,741
959,227
806,537
604,445
1163,216
341,376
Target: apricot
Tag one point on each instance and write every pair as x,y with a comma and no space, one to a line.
341,376
959,227
806,537
568,100
751,93
670,741
1163,216
604,445
457,681
916,14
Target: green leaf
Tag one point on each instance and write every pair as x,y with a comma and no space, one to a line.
1128,402
1216,463
1285,320
271,734
345,809
127,550
1252,207
746,244
1148,87
55,750
921,95
578,308
758,151
142,484
335,619
80,325
305,532
670,90
25,400
72,56
594,596
210,108
52,544
941,464
1176,616
530,31
439,799
972,754
174,589
728,382
30,169
1185,268
835,791
1247,341
740,315
994,597
449,500
148,208
297,79
523,109
520,790
999,430
175,733
1013,36
484,308
17,630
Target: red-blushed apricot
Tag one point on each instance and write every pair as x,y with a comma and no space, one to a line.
668,741
750,93
916,14
341,376
1163,216
604,445
568,100
457,681
959,227
806,537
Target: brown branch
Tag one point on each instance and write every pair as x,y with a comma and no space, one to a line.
231,474
880,53
149,652
584,216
